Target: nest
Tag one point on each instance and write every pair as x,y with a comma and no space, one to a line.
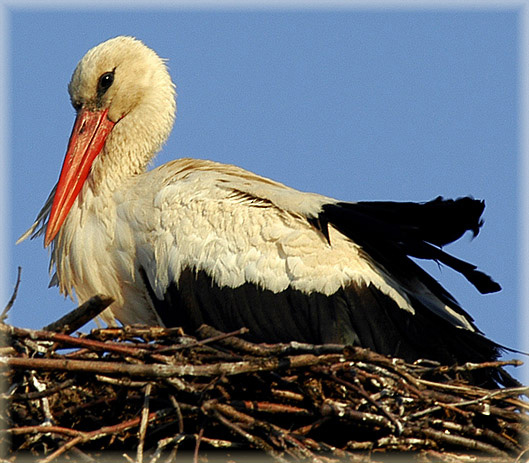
150,394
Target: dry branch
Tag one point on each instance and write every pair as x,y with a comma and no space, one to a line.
82,315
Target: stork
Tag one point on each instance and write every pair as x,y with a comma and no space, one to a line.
195,241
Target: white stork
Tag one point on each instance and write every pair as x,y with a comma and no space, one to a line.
196,241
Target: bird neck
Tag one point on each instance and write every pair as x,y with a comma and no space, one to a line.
118,161
135,140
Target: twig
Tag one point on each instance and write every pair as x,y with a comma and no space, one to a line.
176,405
501,393
341,409
217,337
257,441
143,424
66,339
163,443
270,407
44,429
75,319
40,394
125,382
197,445
221,410
360,390
102,432
459,441
265,350
11,301
167,371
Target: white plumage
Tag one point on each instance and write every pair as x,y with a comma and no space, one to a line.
188,241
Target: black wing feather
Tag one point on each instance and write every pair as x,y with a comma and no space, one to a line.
390,231
359,314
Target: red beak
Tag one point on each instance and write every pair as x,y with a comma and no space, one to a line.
88,137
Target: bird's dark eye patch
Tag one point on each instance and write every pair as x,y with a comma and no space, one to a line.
105,81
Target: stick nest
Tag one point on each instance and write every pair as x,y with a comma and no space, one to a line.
151,394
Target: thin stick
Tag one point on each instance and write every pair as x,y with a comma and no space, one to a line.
42,429
264,350
176,405
218,337
37,394
63,338
78,317
143,425
7,308
197,445
166,371
102,432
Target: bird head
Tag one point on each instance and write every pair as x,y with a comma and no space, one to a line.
125,103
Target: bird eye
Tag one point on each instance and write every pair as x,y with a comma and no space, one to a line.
105,81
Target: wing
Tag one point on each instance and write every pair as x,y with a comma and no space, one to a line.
232,249
412,229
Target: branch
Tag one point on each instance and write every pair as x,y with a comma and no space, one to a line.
78,317
166,371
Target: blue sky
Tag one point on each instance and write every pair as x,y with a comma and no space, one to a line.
358,104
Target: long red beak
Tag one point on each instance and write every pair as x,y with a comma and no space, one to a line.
89,133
